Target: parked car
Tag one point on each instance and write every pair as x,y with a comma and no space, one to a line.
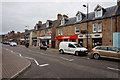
72,48
43,46
105,51
7,43
13,44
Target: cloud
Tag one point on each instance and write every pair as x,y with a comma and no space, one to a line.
17,15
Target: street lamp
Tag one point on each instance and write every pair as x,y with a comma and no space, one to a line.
87,23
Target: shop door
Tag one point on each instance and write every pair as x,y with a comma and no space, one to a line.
96,42
80,41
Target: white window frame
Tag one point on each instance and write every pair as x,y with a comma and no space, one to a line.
100,27
94,26
97,14
60,31
47,24
62,21
77,29
79,17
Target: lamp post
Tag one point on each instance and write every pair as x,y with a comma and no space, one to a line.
87,22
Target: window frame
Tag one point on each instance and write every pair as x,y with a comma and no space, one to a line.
62,21
100,30
77,29
94,27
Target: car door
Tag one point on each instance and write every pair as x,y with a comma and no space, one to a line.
103,52
113,52
71,48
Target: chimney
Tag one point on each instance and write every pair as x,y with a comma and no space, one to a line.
59,17
18,32
26,30
118,2
40,22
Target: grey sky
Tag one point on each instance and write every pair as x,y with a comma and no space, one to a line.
17,15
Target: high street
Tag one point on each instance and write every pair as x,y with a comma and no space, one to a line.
51,64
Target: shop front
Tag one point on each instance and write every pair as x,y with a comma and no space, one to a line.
93,40
45,39
34,41
67,38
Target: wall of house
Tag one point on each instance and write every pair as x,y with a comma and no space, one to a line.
118,23
108,27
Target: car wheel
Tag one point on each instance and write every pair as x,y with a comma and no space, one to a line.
77,53
61,51
96,56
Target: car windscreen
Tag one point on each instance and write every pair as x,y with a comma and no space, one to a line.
77,45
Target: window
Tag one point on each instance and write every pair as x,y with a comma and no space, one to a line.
60,32
46,31
98,48
77,30
94,27
62,21
100,27
103,48
71,46
79,17
111,49
99,13
47,24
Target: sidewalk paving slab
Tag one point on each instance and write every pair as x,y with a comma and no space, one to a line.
13,65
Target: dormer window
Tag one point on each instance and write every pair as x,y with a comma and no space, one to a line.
79,16
47,24
62,21
99,11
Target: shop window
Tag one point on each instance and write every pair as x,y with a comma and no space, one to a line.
77,30
73,40
94,27
100,27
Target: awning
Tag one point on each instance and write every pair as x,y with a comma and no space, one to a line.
45,37
22,39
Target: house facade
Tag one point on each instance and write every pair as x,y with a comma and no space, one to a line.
102,23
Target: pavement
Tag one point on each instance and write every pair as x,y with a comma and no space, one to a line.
12,64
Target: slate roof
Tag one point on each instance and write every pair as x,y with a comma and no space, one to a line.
118,11
91,16
43,26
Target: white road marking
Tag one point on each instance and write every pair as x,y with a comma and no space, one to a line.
20,55
11,51
43,65
67,59
113,69
36,62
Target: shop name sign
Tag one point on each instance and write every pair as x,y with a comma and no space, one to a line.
67,37
90,36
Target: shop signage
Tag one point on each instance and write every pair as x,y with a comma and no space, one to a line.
90,36
67,37
45,37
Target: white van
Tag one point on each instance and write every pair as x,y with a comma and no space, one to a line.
72,48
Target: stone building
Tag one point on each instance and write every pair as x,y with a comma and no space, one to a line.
102,23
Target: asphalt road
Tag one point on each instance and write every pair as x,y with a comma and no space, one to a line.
51,64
